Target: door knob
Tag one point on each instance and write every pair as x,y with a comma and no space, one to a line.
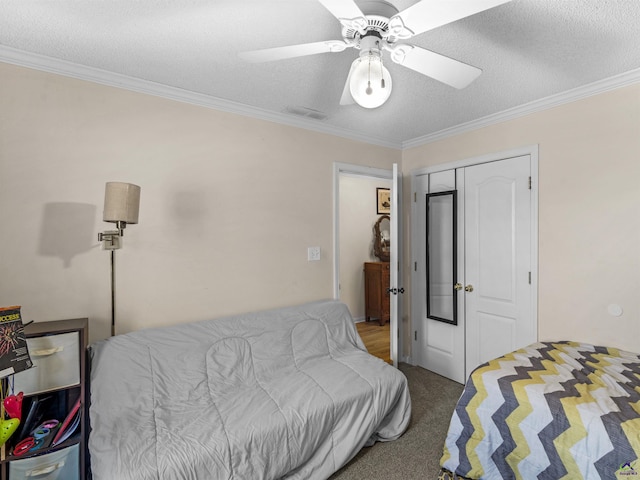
395,291
457,286
468,288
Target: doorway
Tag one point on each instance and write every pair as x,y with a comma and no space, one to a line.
355,214
481,282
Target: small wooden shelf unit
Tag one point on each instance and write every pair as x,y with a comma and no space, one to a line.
51,388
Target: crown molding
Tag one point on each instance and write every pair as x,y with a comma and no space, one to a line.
618,81
103,77
95,75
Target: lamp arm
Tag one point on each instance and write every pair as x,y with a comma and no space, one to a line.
111,239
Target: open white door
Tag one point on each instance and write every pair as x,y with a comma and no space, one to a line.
395,275
395,289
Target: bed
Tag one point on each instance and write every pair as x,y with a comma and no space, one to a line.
287,393
548,411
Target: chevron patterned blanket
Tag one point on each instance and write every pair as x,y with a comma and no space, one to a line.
548,411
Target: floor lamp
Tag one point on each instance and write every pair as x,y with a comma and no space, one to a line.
121,206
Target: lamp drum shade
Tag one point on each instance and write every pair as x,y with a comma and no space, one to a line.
121,202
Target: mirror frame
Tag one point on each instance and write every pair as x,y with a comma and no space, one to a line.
454,262
377,240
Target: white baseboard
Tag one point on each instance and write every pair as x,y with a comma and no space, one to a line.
407,359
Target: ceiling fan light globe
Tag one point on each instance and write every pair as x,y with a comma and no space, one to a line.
368,88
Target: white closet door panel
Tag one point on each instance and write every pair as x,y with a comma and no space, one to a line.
497,259
493,239
440,345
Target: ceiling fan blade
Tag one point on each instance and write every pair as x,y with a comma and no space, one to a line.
429,14
347,98
292,51
347,12
444,69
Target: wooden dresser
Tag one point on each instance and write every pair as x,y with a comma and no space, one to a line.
376,294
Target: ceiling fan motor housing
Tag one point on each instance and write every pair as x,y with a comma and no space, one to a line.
377,14
371,42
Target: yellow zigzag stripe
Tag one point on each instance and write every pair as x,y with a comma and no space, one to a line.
446,455
478,432
574,433
604,361
471,409
576,430
631,429
522,450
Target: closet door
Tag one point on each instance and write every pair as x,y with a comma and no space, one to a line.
439,334
492,291
497,209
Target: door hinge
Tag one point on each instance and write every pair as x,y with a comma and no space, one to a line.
415,335
529,278
415,266
415,196
529,183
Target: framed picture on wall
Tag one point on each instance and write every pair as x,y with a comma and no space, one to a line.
383,200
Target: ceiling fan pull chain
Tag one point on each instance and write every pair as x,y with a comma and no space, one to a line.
382,85
369,90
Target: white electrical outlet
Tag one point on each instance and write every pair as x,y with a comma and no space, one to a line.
313,254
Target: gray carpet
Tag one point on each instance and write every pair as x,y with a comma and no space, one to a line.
415,455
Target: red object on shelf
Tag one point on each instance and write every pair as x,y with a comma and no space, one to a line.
67,422
13,405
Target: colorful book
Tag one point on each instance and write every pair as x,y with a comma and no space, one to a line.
69,425
14,354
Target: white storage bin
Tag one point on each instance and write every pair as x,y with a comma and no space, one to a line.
56,364
59,465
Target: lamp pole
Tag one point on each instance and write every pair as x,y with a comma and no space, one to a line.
113,293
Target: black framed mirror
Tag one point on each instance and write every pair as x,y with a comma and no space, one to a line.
441,256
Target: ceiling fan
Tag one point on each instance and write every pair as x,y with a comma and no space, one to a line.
382,28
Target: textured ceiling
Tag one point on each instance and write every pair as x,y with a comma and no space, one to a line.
528,50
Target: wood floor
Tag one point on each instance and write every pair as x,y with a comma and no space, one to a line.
376,339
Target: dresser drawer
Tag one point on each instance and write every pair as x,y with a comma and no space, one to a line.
59,465
56,363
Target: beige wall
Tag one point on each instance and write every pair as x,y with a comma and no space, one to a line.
229,205
589,204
